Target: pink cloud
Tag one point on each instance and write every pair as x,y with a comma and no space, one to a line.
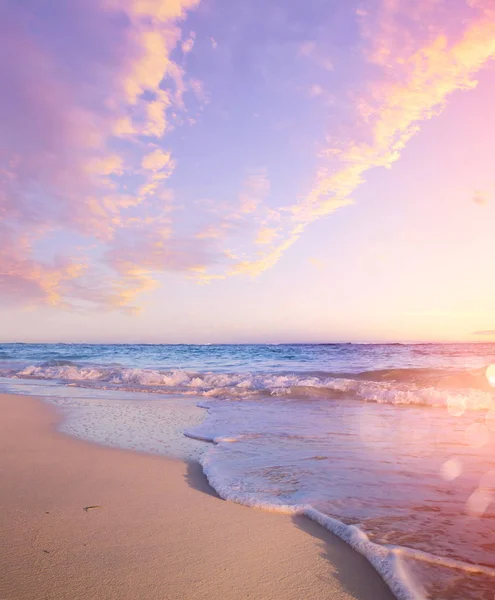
415,70
139,254
71,76
51,118
24,279
90,91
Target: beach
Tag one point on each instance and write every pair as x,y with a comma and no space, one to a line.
158,531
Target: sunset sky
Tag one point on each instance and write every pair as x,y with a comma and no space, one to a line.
256,170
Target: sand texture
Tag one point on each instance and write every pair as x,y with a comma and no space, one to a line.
158,532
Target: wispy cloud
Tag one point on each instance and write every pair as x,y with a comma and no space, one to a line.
266,235
255,189
69,91
416,77
487,332
246,217
92,99
24,279
318,263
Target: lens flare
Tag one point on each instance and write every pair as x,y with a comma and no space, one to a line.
490,374
451,469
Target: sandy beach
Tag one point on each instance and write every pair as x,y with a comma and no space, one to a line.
158,532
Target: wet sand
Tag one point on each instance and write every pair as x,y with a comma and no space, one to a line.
158,532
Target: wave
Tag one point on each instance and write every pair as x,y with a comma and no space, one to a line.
58,363
457,391
387,560
378,556
444,378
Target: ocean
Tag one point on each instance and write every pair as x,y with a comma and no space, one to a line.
391,447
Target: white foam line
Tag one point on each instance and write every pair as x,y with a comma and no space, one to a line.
246,384
385,560
201,438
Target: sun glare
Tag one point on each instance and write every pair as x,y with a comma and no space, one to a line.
490,374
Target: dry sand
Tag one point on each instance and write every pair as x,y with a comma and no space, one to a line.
160,532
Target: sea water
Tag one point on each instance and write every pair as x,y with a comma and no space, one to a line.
391,447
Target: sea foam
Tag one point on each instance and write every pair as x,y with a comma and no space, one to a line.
389,447
332,463
246,384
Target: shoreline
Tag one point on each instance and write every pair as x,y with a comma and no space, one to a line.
160,531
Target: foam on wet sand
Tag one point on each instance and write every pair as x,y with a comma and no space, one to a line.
159,531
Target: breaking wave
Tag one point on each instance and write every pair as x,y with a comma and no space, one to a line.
310,430
456,390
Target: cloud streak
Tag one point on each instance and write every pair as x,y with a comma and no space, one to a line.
416,78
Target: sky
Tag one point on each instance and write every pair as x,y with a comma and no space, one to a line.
201,171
